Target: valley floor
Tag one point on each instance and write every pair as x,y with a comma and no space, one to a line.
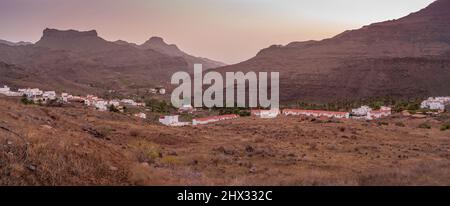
79,146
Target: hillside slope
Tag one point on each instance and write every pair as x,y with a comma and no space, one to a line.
73,145
83,62
408,57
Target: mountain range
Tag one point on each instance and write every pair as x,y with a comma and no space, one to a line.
20,43
158,44
81,61
403,58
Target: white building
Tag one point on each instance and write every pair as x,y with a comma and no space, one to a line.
31,93
141,115
90,100
153,91
7,91
114,103
64,97
208,120
48,95
169,120
437,103
101,105
71,98
128,102
266,114
377,114
362,111
317,113
444,99
186,108
13,94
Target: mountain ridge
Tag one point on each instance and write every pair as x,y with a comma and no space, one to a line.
20,43
335,69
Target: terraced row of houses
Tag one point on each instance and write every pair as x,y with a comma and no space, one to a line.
173,120
316,113
364,112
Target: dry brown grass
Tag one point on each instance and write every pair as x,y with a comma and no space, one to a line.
52,146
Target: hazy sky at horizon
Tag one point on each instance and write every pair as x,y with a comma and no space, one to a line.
226,30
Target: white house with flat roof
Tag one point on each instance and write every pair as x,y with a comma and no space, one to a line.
31,93
435,103
141,115
5,90
48,95
101,105
128,102
265,114
169,120
362,111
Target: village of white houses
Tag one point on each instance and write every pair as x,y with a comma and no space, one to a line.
244,140
430,106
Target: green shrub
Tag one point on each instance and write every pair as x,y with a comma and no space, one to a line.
376,105
112,108
424,126
383,123
146,151
413,106
160,106
171,160
445,126
54,103
243,112
25,100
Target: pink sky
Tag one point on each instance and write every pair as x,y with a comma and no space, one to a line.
226,30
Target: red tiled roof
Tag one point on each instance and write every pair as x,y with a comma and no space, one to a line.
227,116
255,111
379,111
314,111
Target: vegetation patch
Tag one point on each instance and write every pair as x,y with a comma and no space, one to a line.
25,100
382,123
241,111
171,160
424,126
160,106
146,151
445,126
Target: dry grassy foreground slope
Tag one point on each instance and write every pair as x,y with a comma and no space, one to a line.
78,146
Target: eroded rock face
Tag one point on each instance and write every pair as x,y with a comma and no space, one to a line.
48,33
71,40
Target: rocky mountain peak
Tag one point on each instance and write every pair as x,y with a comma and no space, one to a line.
68,33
